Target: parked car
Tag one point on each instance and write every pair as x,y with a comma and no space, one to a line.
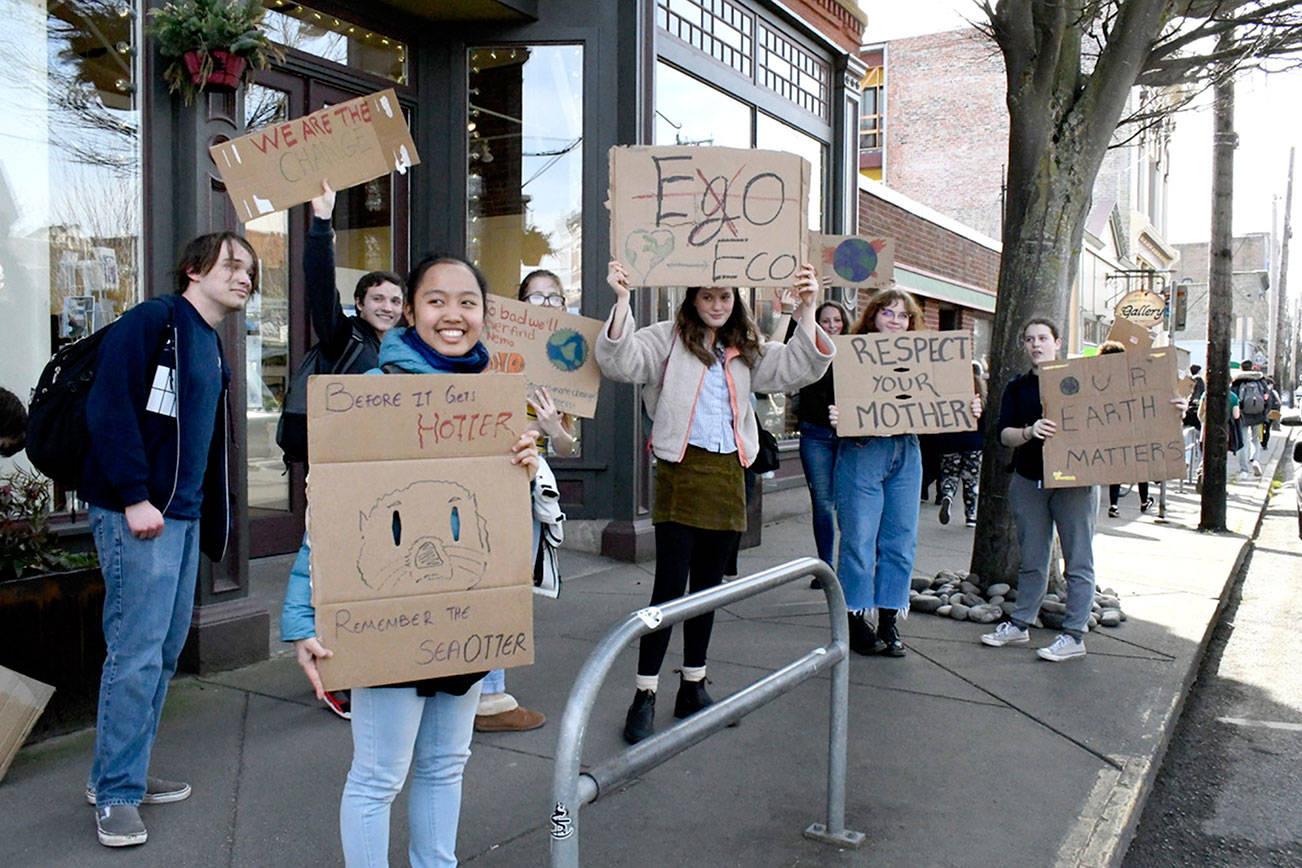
1294,417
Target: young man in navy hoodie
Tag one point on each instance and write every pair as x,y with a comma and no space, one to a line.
155,480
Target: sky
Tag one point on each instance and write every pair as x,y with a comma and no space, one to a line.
1266,120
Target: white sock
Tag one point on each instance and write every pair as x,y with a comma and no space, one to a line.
693,673
496,703
647,682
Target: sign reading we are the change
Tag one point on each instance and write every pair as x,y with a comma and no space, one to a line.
550,347
853,261
903,383
700,216
419,526
283,164
1115,419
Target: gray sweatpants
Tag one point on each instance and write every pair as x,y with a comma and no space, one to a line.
1037,511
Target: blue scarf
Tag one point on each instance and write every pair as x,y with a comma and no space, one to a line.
471,363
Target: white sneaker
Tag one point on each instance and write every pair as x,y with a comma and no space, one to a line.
1256,469
1063,648
1006,633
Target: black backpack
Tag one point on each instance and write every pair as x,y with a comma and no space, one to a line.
58,439
1252,398
291,430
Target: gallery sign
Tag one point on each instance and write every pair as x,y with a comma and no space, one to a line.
1143,307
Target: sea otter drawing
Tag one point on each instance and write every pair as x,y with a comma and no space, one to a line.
428,536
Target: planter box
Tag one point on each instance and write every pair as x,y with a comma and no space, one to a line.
51,630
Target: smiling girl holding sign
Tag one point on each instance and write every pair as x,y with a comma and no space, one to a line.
697,374
876,486
424,726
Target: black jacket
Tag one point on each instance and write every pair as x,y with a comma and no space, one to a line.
333,329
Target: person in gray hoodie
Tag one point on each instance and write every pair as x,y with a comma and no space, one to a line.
697,372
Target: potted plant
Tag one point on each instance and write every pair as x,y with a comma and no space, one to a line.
51,604
212,44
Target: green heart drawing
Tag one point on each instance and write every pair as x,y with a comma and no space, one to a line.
645,249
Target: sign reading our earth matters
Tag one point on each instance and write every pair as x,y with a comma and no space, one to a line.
853,261
550,347
1115,419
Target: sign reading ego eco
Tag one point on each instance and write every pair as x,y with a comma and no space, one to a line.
283,164
692,216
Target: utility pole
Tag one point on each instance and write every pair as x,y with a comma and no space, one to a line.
1220,300
1279,359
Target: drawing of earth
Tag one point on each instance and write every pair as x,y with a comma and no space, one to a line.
854,259
567,349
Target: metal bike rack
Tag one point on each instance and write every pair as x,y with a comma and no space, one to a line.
572,788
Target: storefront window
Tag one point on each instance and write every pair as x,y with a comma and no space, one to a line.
525,165
339,41
70,183
691,112
266,326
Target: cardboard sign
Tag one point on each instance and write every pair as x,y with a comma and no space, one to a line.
282,165
420,526
1135,337
22,700
852,261
693,216
1115,419
550,347
903,383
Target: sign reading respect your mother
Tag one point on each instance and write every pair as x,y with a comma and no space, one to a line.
420,526
693,216
903,383
283,164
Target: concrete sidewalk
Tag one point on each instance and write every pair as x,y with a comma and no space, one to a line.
959,754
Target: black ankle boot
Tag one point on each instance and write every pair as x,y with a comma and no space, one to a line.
641,718
862,640
691,697
888,637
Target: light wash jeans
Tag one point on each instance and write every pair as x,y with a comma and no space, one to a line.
876,487
818,459
1075,512
494,682
394,730
148,602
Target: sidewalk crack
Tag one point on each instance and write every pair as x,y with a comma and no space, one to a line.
1102,757
239,776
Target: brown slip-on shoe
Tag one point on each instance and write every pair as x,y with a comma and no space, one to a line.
518,719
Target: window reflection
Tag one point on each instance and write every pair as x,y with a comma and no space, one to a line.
524,139
266,324
329,38
70,190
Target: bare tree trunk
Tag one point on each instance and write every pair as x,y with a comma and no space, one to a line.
1220,300
1279,364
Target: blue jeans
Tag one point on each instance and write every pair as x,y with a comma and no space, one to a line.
818,458
876,489
394,730
1037,511
148,602
494,682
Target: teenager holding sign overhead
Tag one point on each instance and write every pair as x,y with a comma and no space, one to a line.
876,486
422,726
697,374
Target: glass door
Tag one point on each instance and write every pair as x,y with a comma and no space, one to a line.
371,235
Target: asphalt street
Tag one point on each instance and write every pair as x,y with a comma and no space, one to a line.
1227,793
